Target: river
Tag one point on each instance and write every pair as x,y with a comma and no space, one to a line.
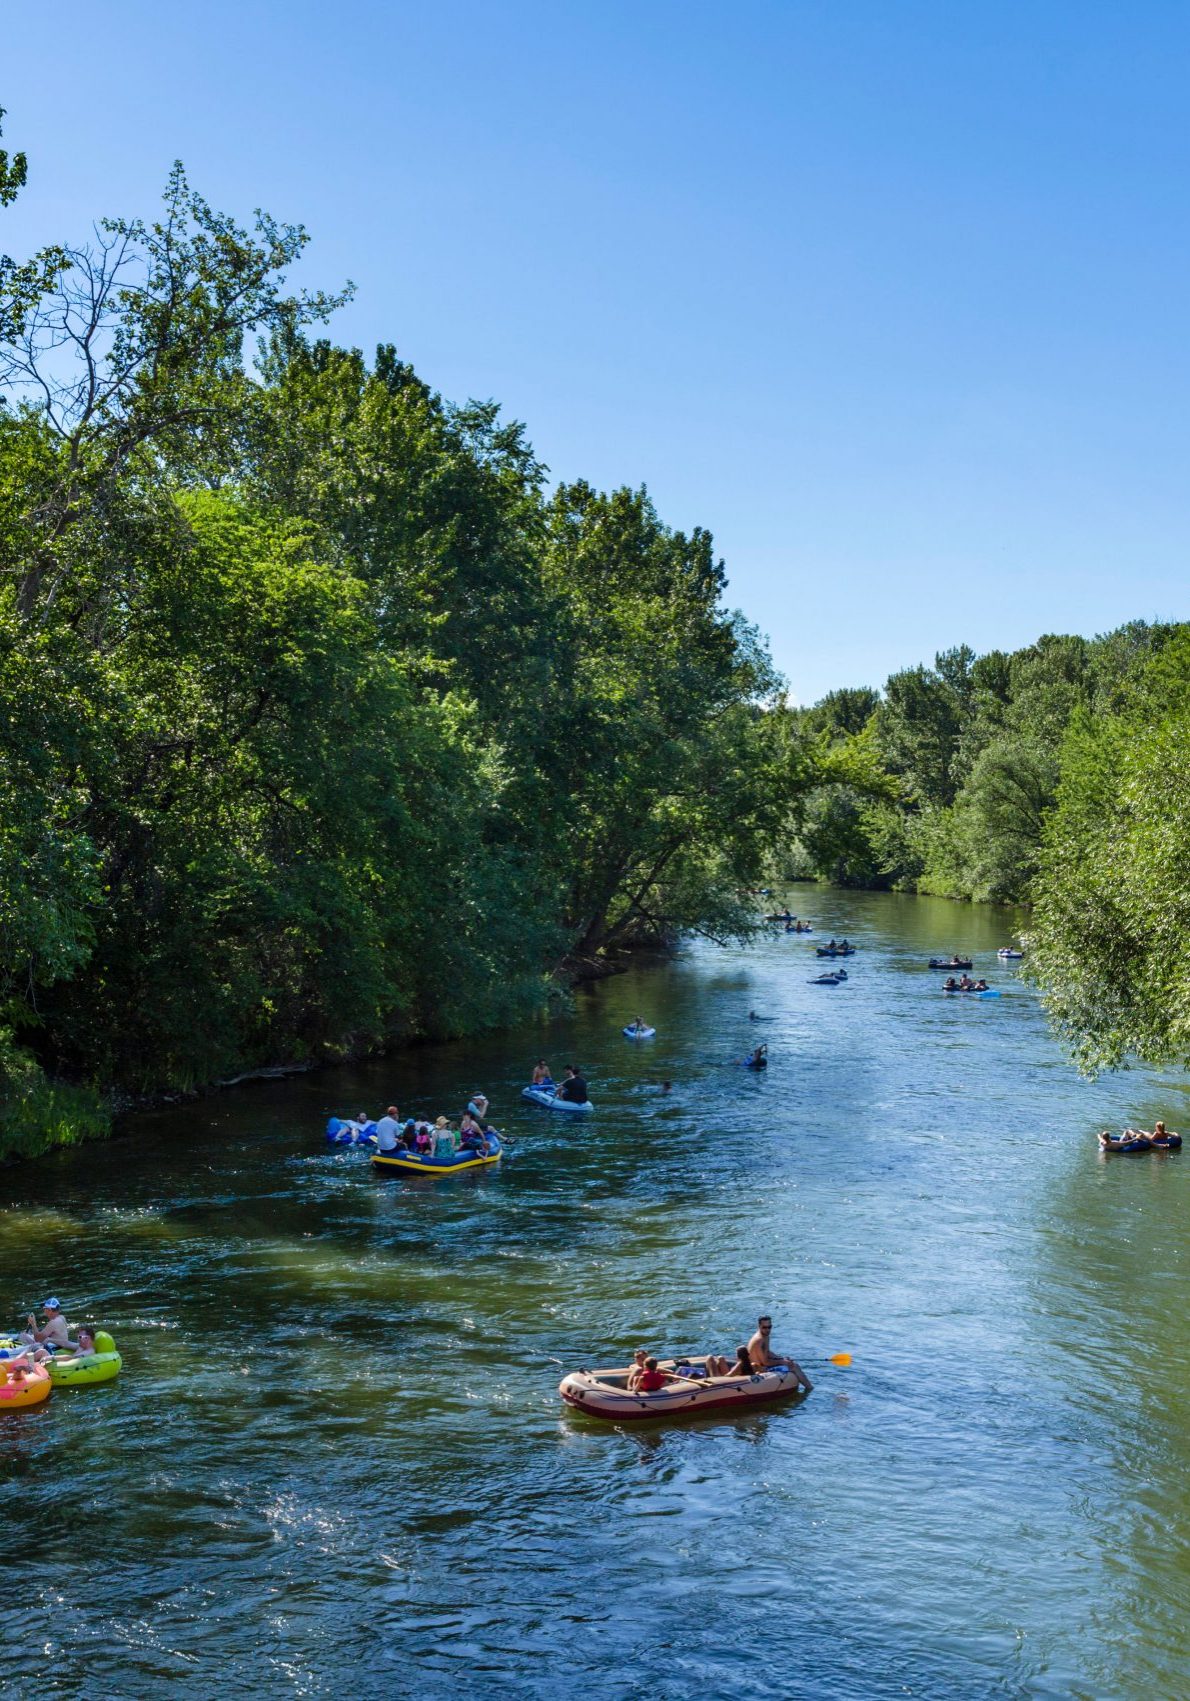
336,1458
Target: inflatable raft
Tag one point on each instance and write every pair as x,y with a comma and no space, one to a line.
971,992
829,980
1008,955
103,1365
551,1101
604,1394
417,1163
638,1033
954,963
835,950
29,1389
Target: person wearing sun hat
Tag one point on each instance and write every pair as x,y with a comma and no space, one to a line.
56,1332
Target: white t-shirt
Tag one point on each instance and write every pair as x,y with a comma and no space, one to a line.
386,1133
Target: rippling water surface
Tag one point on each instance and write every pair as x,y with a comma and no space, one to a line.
336,1460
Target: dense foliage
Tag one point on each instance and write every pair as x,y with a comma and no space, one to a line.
1110,934
947,780
322,721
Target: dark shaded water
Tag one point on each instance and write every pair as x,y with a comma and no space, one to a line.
337,1461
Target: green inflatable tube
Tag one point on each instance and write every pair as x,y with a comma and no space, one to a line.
100,1366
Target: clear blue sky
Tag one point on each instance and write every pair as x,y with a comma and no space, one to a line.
891,295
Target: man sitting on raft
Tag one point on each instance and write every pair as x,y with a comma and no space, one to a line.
388,1131
762,1356
55,1335
573,1089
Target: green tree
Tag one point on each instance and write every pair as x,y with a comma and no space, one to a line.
1110,937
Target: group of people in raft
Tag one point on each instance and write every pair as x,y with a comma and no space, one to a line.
1162,1139
964,984
645,1376
437,1139
41,1344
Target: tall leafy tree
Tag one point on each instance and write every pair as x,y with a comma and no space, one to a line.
1110,937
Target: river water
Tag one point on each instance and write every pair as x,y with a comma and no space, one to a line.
336,1458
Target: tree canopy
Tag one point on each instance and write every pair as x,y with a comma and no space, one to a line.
324,721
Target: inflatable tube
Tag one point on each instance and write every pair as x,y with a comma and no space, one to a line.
30,1390
834,951
103,1365
348,1132
604,1394
958,963
1128,1147
827,980
970,992
1008,954
1171,1143
416,1163
551,1101
638,1033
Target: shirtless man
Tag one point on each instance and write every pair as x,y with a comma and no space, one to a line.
55,1334
637,1368
763,1357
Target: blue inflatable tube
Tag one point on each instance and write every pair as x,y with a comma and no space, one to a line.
638,1033
551,1101
347,1132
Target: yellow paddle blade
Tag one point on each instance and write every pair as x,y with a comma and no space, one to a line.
841,1358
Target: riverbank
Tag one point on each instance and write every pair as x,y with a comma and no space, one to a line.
46,1114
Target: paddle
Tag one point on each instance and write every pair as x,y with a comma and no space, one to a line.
838,1358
